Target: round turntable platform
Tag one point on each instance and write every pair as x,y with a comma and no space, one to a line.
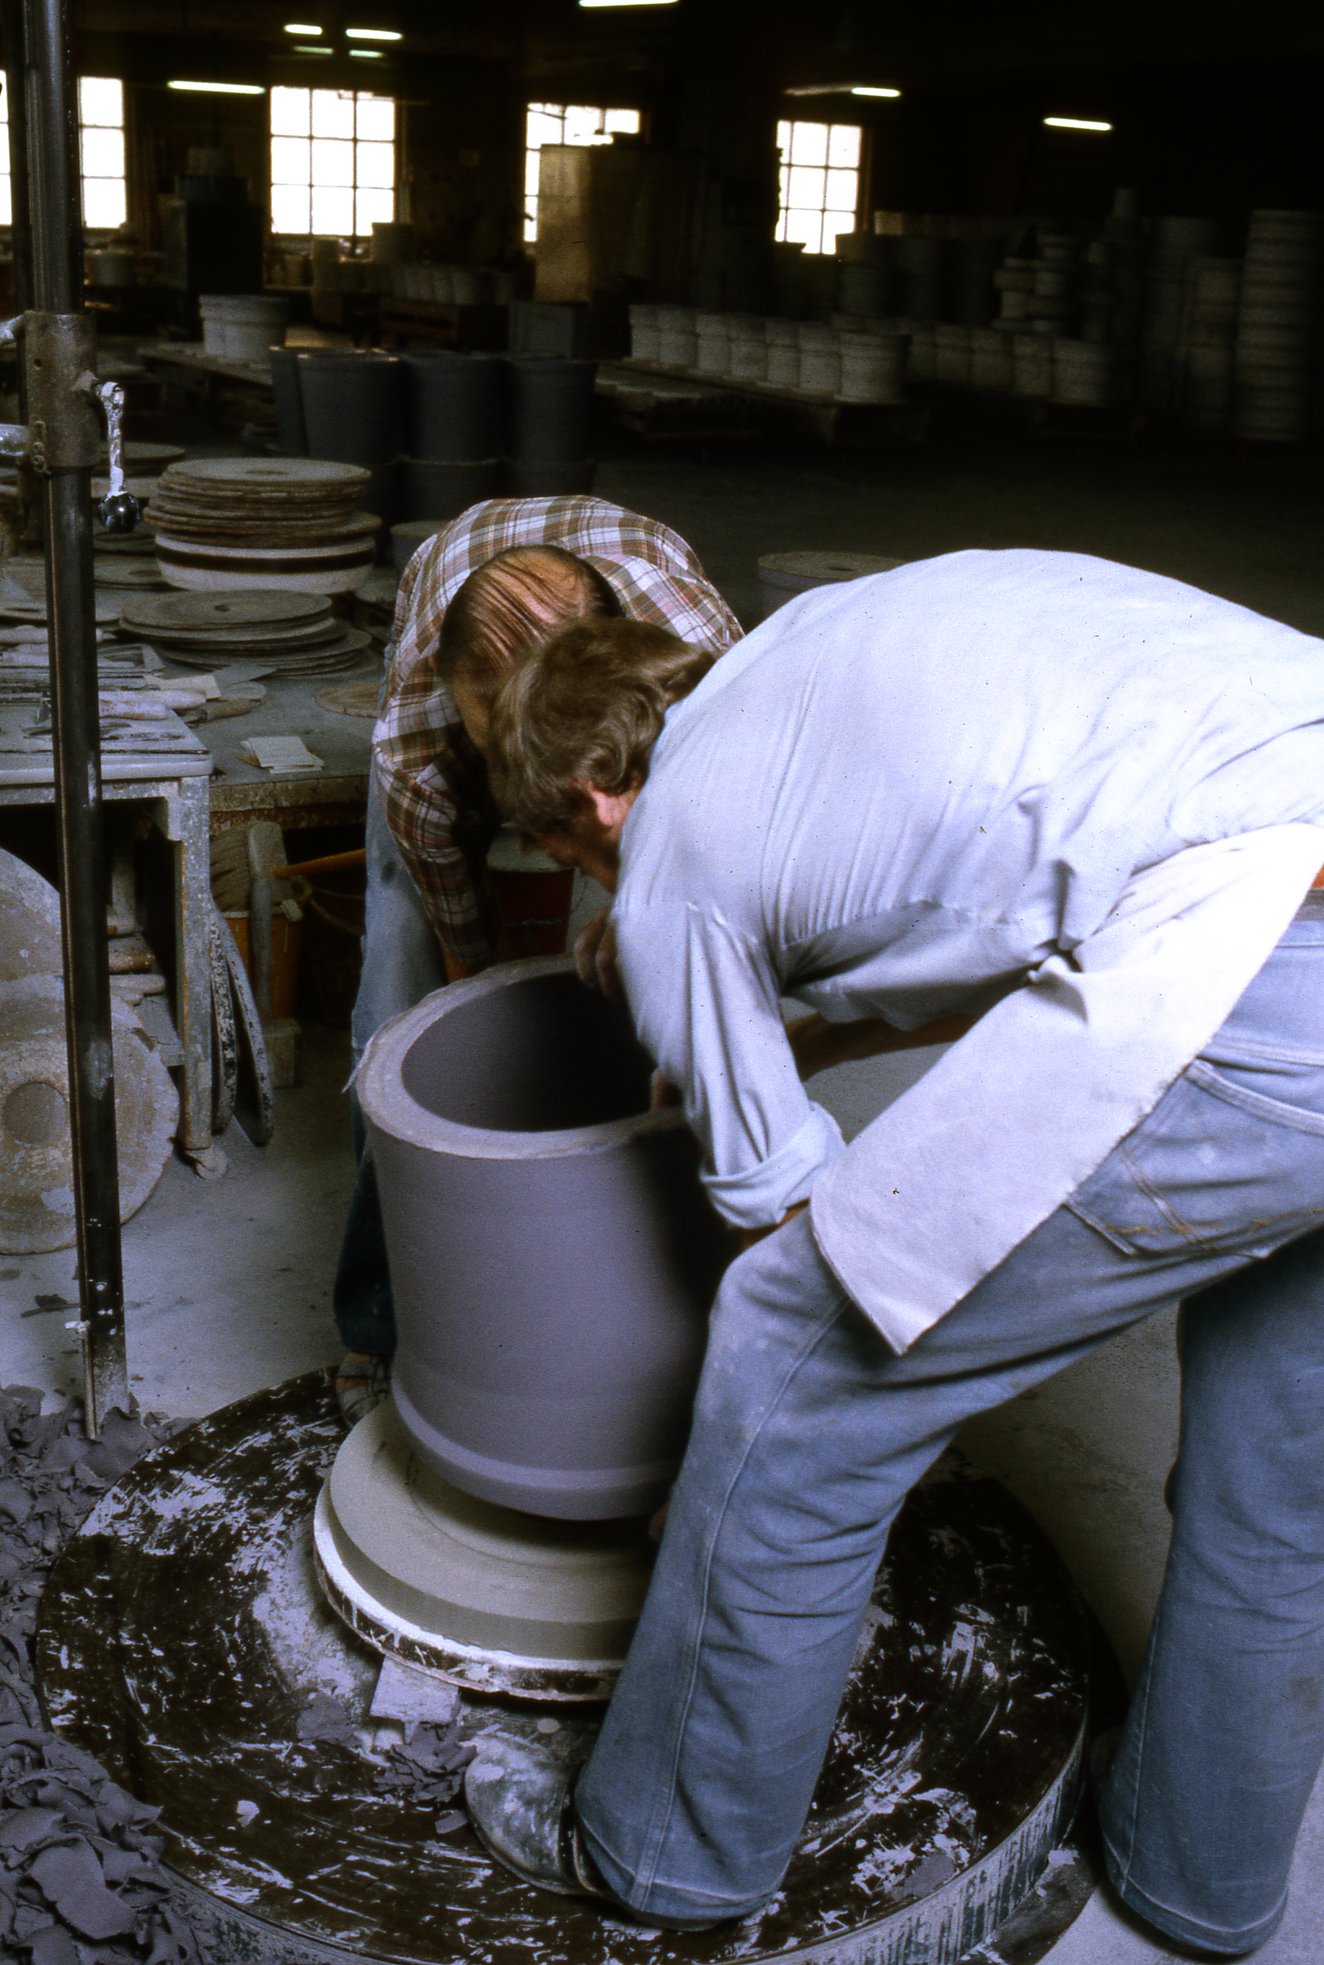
183,1636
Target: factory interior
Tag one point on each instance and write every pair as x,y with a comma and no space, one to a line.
824,291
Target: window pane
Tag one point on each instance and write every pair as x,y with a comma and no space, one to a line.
804,229
333,162
333,210
376,166
374,119
784,186
581,124
291,110
544,128
100,100
531,226
832,225
333,114
626,121
104,202
291,160
783,137
806,189
809,143
841,191
103,153
844,146
373,208
531,169
289,208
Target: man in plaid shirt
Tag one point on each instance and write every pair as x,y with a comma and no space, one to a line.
430,916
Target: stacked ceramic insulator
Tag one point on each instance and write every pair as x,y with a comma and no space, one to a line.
1173,242
1212,295
852,359
1276,325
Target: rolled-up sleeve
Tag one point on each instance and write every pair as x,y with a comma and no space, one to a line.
706,1007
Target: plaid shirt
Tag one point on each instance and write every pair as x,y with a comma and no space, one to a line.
432,780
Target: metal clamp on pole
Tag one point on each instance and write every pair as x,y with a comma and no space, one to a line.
64,434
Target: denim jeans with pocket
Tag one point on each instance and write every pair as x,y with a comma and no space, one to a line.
401,965
808,1431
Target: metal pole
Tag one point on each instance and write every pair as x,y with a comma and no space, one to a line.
64,446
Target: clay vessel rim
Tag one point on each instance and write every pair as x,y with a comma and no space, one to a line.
392,1110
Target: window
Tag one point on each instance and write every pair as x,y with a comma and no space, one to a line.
332,162
101,152
820,183
550,122
6,188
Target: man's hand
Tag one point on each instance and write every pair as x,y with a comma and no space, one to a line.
595,955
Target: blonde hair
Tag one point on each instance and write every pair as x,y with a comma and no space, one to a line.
584,709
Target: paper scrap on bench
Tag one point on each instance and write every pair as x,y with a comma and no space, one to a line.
280,754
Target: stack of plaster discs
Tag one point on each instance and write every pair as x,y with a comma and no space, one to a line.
288,634
1275,351
280,523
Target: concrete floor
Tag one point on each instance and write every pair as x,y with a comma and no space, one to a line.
227,1281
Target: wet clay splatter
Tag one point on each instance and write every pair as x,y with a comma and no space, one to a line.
183,1642
81,1881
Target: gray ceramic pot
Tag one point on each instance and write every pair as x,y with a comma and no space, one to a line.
551,408
352,406
429,488
553,1257
455,405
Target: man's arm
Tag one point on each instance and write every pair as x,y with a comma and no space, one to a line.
817,1045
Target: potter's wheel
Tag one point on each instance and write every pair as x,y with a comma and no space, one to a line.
183,1634
494,1600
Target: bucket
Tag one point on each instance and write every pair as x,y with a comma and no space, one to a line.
454,406
525,479
286,942
551,408
553,1256
240,327
291,436
352,407
534,896
408,536
427,487
782,576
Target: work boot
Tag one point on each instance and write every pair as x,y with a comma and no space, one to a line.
521,1805
522,1808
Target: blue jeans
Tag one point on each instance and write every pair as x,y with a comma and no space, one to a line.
808,1431
401,965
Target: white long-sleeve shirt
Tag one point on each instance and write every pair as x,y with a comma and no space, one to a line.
1079,798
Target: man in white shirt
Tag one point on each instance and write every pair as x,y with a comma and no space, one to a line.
1076,807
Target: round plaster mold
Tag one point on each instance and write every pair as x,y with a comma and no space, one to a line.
495,1601
553,1257
182,1637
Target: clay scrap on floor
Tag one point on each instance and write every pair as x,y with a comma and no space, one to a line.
80,1876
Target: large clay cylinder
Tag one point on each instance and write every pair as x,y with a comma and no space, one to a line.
553,1257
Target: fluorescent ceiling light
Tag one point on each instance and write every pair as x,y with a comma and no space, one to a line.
860,90
372,34
366,54
219,88
627,3
1074,123
313,48
301,27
